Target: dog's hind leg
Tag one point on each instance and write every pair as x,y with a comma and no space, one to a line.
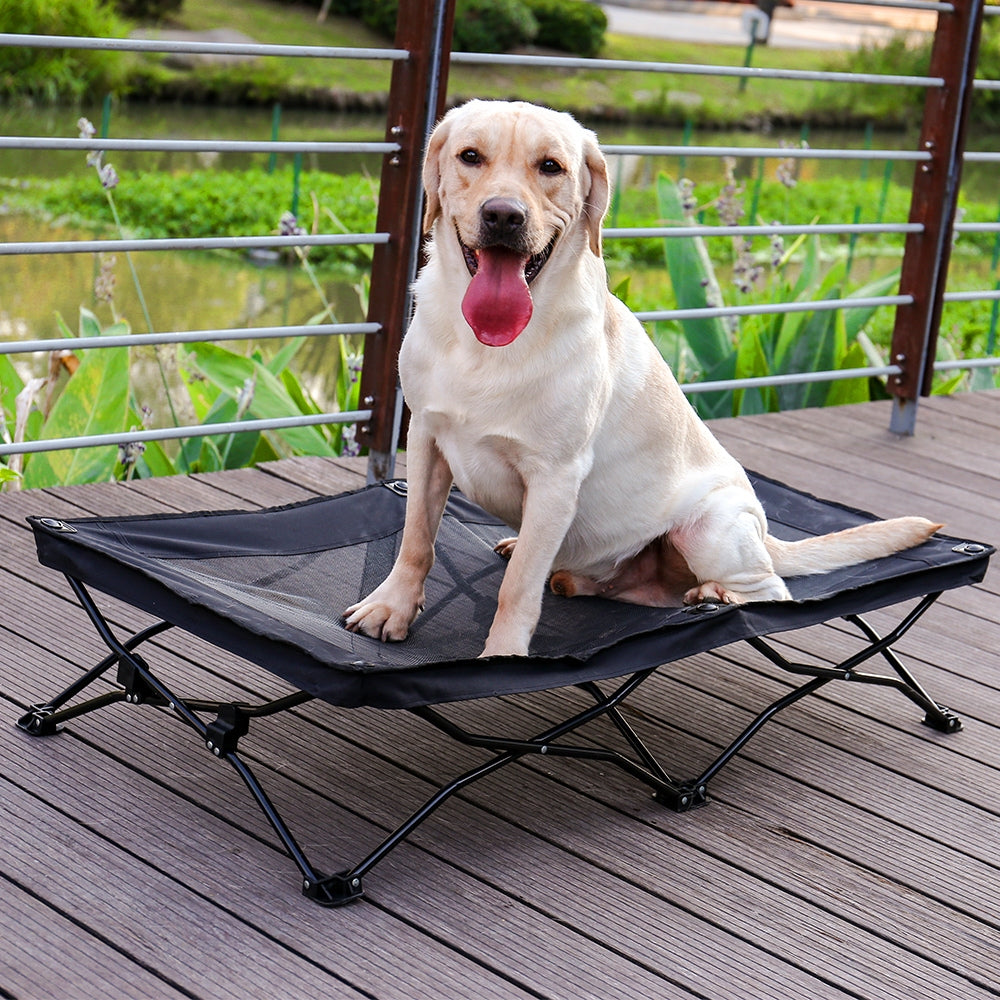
725,549
657,577
505,547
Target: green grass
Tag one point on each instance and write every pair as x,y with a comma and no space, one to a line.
647,96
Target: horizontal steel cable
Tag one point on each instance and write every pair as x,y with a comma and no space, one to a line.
186,337
987,295
179,433
778,228
693,69
768,152
800,378
192,145
193,243
929,5
199,47
821,305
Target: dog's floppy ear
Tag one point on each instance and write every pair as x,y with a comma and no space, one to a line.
595,202
432,174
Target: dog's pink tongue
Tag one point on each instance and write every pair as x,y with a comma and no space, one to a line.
497,304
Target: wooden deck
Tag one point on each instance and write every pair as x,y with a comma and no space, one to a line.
848,852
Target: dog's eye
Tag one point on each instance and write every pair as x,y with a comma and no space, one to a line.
550,166
470,156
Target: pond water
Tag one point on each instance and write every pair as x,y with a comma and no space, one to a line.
187,291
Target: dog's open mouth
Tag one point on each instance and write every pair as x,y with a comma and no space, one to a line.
498,303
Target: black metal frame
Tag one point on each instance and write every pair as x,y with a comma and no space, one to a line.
139,686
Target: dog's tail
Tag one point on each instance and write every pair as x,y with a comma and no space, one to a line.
824,553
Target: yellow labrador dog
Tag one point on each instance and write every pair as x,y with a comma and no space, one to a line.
539,394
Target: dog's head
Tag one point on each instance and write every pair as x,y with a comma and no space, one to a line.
510,183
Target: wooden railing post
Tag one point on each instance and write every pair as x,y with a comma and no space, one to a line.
416,101
935,196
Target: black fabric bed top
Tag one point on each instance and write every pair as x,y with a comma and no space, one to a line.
270,586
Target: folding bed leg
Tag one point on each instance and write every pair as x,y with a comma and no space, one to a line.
45,719
221,737
936,716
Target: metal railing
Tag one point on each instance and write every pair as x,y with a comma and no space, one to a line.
420,60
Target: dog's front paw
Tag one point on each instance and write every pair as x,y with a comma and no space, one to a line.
506,642
385,614
498,649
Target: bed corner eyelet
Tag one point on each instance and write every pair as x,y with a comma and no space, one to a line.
53,524
701,609
969,548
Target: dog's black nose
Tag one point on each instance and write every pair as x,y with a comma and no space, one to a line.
503,217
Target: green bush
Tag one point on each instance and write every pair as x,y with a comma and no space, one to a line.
54,74
380,16
493,25
338,8
148,10
575,26
480,25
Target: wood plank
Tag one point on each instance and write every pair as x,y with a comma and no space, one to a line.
47,954
847,851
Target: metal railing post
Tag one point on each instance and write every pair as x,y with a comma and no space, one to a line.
935,195
416,101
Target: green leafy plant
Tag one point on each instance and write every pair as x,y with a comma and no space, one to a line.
222,386
59,74
712,349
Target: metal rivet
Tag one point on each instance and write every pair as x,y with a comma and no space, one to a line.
396,130
369,400
394,160
355,882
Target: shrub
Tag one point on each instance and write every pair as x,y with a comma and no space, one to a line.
148,10
380,16
337,8
53,74
480,25
493,25
575,26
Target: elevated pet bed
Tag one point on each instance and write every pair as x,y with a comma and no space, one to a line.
269,585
